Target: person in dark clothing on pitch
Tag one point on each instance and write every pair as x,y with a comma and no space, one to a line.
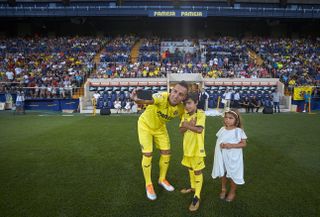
203,96
245,103
255,104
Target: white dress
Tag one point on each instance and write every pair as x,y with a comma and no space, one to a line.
229,161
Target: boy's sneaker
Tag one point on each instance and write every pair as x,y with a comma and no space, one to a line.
151,195
166,185
194,206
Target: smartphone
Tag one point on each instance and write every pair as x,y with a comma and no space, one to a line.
144,94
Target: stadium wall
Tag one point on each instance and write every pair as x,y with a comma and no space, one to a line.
46,104
130,83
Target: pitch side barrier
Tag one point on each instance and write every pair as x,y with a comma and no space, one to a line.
246,87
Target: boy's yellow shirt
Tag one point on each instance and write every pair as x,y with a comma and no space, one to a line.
193,143
157,114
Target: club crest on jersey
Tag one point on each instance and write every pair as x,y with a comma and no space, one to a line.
157,95
175,112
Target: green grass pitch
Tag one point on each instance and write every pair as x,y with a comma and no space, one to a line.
90,166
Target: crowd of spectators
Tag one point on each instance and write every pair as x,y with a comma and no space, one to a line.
54,67
224,57
47,67
118,49
228,57
295,61
149,50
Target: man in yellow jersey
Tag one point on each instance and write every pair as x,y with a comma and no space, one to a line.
162,108
192,126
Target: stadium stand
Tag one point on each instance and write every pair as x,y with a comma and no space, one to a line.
221,57
294,61
59,66
46,67
46,70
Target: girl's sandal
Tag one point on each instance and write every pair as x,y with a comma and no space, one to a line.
230,198
223,194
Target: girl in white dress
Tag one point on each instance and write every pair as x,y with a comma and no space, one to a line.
228,158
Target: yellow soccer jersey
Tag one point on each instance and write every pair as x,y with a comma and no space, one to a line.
157,114
193,143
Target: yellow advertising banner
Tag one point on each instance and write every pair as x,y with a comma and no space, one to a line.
298,92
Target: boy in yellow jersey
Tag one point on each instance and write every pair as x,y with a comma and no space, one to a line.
192,126
162,108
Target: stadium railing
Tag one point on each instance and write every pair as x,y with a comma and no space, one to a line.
16,88
145,11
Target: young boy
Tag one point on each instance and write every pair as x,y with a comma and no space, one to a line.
192,126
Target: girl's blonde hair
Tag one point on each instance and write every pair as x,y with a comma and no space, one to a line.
235,113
